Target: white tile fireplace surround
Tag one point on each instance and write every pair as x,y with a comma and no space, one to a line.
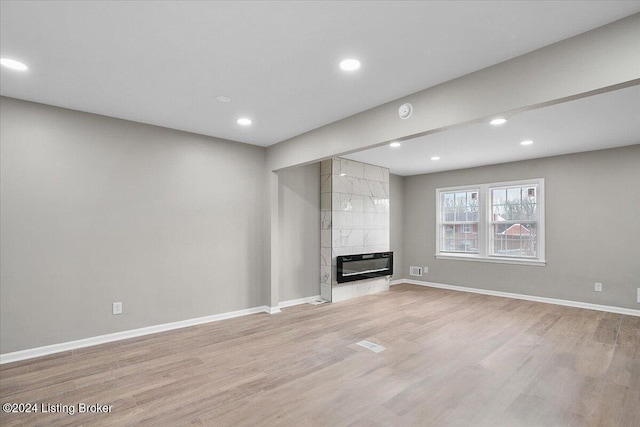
354,200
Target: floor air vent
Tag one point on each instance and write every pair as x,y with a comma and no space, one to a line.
376,348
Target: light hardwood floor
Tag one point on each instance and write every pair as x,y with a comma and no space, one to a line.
451,359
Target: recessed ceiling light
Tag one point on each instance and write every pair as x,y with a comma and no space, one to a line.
222,98
527,142
244,121
499,121
395,144
13,64
435,158
343,174
350,64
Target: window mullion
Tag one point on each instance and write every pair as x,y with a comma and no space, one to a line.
483,217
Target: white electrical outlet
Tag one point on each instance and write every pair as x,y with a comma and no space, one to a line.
638,295
117,308
598,287
425,270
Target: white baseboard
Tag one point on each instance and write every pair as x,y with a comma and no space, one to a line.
117,336
298,301
568,303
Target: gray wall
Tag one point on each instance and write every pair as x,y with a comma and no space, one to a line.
96,210
299,224
592,228
396,226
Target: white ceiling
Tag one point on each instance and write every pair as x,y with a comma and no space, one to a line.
164,63
597,122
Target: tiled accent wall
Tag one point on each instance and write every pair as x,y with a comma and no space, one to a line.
325,230
355,219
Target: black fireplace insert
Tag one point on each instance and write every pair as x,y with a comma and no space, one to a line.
364,266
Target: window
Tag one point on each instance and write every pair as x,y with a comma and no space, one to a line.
499,222
459,221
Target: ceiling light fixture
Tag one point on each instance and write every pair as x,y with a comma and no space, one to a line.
499,121
435,158
527,142
395,144
350,64
244,121
13,64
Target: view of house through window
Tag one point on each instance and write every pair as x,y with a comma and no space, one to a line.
460,221
492,221
513,226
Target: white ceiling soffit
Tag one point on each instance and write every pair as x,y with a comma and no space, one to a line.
165,62
597,122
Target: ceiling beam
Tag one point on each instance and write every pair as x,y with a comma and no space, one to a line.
599,60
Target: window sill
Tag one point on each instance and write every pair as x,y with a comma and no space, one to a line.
493,260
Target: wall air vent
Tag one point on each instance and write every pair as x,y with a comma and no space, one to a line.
415,271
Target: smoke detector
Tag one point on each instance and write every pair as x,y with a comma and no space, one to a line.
405,111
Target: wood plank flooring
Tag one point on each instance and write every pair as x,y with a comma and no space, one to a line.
451,359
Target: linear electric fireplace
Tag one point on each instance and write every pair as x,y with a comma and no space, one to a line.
364,266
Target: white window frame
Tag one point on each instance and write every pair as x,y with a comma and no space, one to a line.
485,213
456,222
